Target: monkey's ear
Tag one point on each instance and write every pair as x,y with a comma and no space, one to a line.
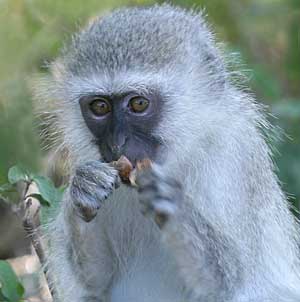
47,97
45,88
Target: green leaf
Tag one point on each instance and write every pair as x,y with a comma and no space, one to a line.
17,173
10,287
47,189
40,198
2,298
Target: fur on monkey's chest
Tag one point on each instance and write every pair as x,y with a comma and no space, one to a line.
151,277
143,265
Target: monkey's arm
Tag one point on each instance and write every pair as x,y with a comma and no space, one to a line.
80,255
207,259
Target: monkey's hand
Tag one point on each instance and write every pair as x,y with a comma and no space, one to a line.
159,194
92,183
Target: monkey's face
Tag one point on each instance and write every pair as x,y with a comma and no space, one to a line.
140,80
123,124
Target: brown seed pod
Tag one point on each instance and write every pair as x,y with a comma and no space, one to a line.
127,172
140,165
124,166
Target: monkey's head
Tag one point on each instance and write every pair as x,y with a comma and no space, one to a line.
138,82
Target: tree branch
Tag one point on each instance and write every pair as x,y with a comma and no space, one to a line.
31,223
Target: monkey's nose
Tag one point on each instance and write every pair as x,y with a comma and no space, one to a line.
116,151
117,143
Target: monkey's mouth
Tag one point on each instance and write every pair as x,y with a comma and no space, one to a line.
127,172
134,155
110,157
133,150
133,161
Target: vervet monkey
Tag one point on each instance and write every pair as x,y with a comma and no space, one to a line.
152,83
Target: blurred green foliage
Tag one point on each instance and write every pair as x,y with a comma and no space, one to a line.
265,33
11,289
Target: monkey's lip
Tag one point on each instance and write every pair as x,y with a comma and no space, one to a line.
133,163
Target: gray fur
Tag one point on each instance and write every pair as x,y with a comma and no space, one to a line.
232,237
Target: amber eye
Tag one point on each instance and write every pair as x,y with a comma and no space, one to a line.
138,104
100,107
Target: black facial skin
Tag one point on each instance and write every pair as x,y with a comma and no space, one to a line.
123,131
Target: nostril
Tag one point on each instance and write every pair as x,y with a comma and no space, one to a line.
115,149
117,144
